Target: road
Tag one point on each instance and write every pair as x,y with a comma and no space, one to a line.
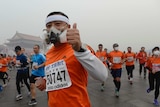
130,95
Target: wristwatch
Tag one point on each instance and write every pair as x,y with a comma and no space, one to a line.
82,49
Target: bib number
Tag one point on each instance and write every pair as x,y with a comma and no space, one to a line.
116,60
156,67
34,64
57,76
130,59
17,63
102,59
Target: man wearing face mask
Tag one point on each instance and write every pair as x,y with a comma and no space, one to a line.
116,58
153,66
67,65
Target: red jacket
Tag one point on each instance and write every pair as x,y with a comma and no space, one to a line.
142,56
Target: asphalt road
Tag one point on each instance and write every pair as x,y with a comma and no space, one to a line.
130,95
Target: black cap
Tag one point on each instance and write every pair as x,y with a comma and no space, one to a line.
155,48
115,45
17,48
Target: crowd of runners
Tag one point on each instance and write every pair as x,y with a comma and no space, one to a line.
116,59
65,67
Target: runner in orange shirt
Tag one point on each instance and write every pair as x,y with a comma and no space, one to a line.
153,65
116,58
6,68
3,69
149,68
102,55
130,58
107,62
67,65
9,59
142,56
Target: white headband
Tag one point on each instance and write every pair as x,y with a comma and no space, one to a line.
57,18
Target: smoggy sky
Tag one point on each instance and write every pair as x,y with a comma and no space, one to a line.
132,23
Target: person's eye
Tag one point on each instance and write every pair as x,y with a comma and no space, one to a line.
49,26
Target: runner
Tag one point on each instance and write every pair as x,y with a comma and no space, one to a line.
21,65
9,59
67,65
130,58
38,60
107,62
102,55
142,56
28,70
116,58
6,76
3,70
153,65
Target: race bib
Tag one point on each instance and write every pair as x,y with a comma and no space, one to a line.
116,60
102,59
156,67
34,64
57,76
130,59
17,63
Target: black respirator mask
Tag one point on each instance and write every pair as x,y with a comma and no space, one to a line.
55,36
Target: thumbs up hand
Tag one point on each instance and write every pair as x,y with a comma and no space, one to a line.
73,37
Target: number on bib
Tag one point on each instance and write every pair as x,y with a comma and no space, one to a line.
57,76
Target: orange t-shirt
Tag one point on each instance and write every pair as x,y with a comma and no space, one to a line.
149,63
3,61
155,64
9,59
102,56
142,56
76,95
116,58
130,58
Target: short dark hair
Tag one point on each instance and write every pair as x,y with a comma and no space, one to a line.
17,48
56,13
37,46
129,47
142,47
100,45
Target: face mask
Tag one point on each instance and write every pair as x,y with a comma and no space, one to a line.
45,37
55,35
116,48
156,53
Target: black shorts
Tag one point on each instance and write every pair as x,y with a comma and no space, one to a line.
3,75
116,72
32,78
130,68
